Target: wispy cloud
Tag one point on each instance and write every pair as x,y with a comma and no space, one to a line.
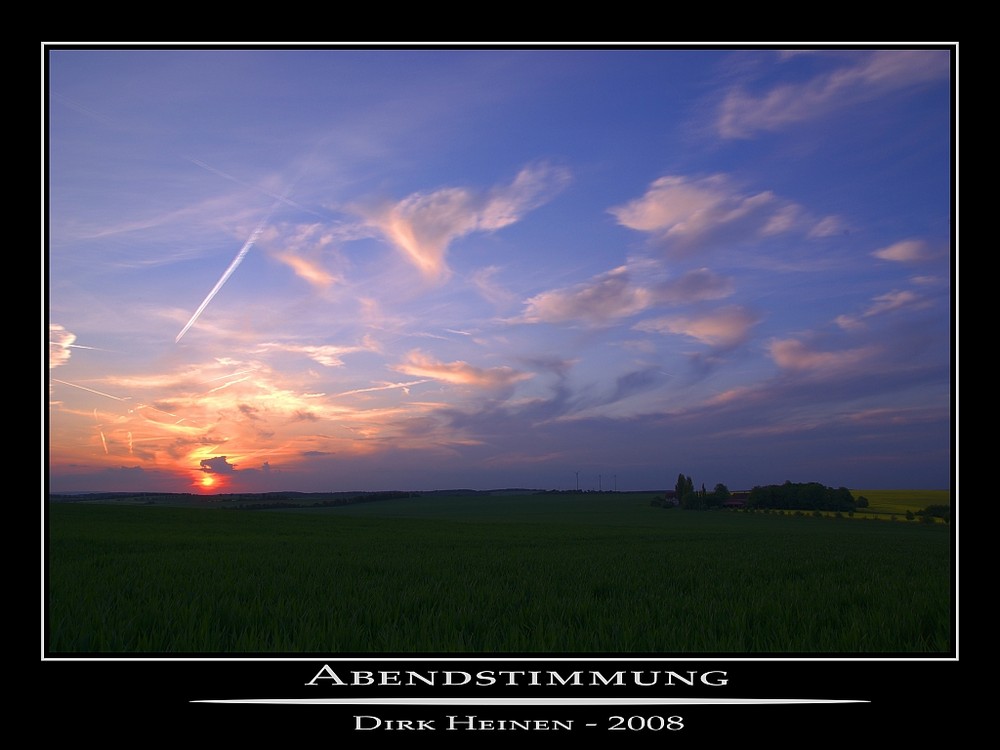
687,212
721,328
828,227
422,226
894,301
884,303
618,294
861,78
306,249
485,282
423,365
604,299
328,355
308,270
792,354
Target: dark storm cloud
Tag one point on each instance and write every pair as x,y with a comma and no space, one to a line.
217,465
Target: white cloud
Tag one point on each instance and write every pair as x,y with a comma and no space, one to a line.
60,341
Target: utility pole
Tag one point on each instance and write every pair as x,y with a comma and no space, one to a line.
577,481
600,485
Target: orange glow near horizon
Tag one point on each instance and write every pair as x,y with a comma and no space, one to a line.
175,421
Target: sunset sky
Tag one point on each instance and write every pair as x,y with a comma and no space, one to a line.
333,269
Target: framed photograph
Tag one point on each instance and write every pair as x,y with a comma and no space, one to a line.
588,390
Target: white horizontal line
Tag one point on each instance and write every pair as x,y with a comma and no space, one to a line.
531,701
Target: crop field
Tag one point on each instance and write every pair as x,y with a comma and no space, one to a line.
898,502
505,574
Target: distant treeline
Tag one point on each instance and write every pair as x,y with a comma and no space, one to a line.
802,496
246,501
294,500
147,497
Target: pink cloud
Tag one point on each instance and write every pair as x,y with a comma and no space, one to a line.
327,355
907,251
617,294
308,270
791,354
686,210
421,365
893,301
726,327
422,226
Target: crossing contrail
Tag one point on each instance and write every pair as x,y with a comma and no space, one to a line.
280,198
229,271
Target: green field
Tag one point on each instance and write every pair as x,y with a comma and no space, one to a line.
505,574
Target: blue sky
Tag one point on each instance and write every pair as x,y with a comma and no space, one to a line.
334,269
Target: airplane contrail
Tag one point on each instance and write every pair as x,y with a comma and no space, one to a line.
228,375
226,385
228,272
91,390
386,387
154,408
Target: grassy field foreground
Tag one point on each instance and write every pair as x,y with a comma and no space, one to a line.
576,574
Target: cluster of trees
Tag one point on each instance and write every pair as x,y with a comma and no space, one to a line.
928,514
691,499
802,496
788,496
